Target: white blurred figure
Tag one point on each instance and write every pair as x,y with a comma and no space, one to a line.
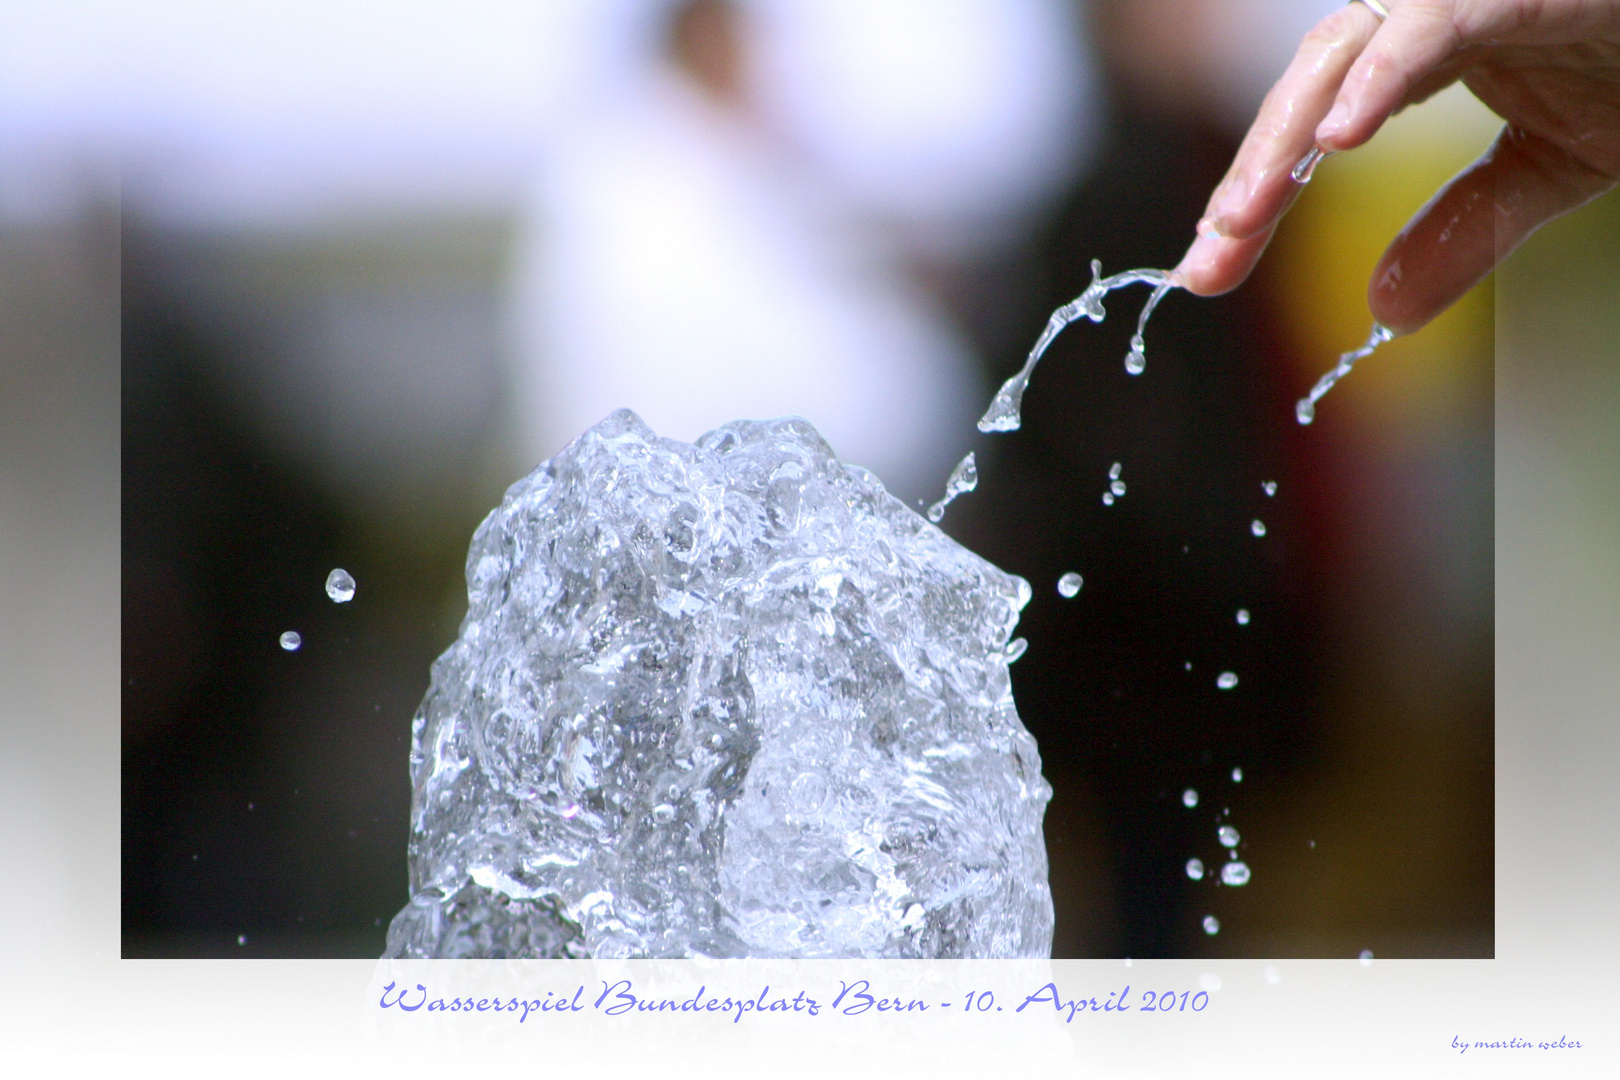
721,232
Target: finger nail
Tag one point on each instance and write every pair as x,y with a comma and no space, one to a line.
1335,123
1228,203
1199,260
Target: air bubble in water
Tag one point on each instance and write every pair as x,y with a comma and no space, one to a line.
1212,925
340,586
1235,873
1243,616
1257,527
1189,798
1226,680
291,640
663,813
1069,585
963,479
1228,836
1366,957
1015,649
1237,775
1269,487
1195,869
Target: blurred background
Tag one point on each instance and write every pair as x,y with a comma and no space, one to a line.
340,272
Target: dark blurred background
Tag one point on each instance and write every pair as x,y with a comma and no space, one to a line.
372,274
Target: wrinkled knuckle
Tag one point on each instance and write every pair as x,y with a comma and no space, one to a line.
1334,28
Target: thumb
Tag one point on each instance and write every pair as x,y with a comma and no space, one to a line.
1474,222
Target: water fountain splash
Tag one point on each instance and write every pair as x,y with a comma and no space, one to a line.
1305,410
1006,408
963,479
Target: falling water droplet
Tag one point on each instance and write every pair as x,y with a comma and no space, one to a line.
241,939
1305,410
1306,168
1118,488
340,586
1015,649
1237,775
963,479
1136,359
1195,869
1243,616
1257,527
1108,498
1235,873
1189,798
1269,487
1226,680
1212,925
1187,666
1114,470
291,640
1069,585
1366,957
1228,836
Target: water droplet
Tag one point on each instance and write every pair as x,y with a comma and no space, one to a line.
1226,680
1269,487
1195,869
1114,470
1305,410
1136,359
1118,488
1212,925
1257,527
1187,666
1015,649
1273,976
1243,616
291,640
1069,585
1366,957
340,586
1306,168
663,813
1237,775
1108,498
241,939
963,479
1235,873
1228,836
1189,798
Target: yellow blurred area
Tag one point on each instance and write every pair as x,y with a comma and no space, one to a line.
1326,249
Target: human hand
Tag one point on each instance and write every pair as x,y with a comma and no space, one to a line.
1550,68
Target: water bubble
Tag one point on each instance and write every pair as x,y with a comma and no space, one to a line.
1269,487
1117,487
1015,649
1212,925
1237,775
1189,798
1273,976
1243,616
1108,498
340,586
1235,873
1114,470
1228,836
1366,957
291,640
663,813
1069,585
1226,680
1195,869
1257,527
